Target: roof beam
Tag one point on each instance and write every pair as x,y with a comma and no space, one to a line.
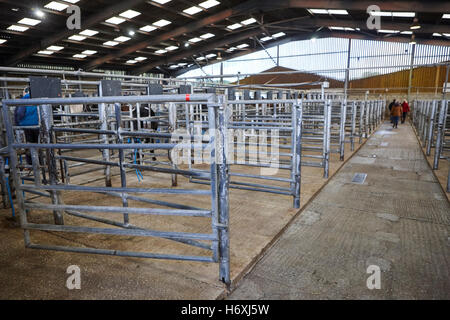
86,23
193,26
430,6
198,49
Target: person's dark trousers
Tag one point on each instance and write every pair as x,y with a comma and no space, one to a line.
31,136
404,116
395,119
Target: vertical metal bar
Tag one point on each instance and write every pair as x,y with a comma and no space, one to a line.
297,114
440,136
13,168
46,112
361,121
103,117
352,139
35,163
431,129
342,129
172,127
411,69
223,184
328,139
123,176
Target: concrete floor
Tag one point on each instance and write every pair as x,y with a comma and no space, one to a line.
256,219
399,220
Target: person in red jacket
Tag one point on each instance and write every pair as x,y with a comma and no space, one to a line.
406,109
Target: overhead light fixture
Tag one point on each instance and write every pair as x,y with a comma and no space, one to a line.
393,14
46,52
130,14
171,48
55,48
219,57
248,21
195,40
406,32
56,6
234,26
17,28
110,43
162,23
342,28
446,16
147,28
2,41
77,38
140,58
72,1
326,11
192,10
79,56
211,55
242,46
39,13
161,1
279,35
132,61
232,49
200,58
187,44
207,36
89,52
122,39
161,51
131,33
266,39
29,22
388,31
209,4
182,64
437,34
115,20
89,32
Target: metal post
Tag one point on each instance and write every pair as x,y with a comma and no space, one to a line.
123,175
297,115
352,139
413,53
431,129
103,117
342,129
327,137
440,135
46,112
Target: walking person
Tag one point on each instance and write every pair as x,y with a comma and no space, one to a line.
406,109
391,105
26,116
396,113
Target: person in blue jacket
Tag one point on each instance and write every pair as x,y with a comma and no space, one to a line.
28,116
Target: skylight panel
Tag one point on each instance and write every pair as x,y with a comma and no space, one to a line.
89,32
89,52
266,39
446,16
234,26
130,14
131,61
192,10
162,23
2,41
248,21
79,56
148,28
161,51
17,28
242,46
110,43
207,36
77,38
140,58
195,40
211,55
46,52
209,4
56,6
279,35
122,39
171,48
29,22
55,48
115,20
329,11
